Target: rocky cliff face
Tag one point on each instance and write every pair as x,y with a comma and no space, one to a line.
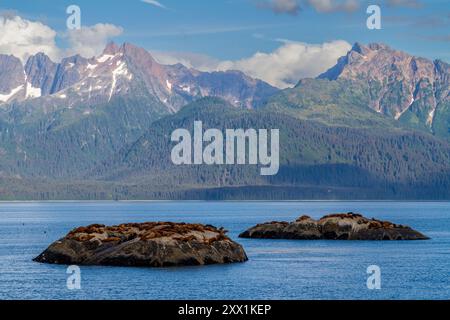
410,89
12,78
41,72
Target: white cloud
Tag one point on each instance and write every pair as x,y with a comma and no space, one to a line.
155,3
325,6
282,68
322,6
282,6
23,38
90,41
404,3
289,63
191,60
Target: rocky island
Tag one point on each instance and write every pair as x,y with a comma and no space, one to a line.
347,226
152,244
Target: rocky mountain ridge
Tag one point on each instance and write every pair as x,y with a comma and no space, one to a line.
410,89
120,71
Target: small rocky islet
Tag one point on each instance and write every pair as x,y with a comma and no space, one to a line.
152,244
168,244
341,226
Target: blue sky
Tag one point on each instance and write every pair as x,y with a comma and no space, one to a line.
231,29
236,29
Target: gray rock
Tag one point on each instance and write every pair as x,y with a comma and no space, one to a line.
11,74
69,72
349,226
41,72
159,244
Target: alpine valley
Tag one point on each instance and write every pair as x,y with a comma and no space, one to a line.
374,126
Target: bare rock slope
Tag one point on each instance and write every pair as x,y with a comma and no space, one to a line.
411,89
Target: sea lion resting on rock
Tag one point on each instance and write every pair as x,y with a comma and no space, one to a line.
153,244
348,226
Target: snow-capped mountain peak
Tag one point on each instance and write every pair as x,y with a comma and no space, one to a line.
121,71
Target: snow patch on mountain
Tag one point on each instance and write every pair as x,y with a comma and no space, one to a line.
91,66
121,70
169,85
431,117
7,97
33,92
104,58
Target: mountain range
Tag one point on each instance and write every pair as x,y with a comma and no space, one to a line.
413,90
120,72
374,126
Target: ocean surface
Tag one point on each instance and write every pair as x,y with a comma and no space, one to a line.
277,269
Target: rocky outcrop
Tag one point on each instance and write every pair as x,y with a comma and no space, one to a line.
12,78
404,87
41,72
153,244
348,226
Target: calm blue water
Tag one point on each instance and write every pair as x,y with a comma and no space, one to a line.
276,269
